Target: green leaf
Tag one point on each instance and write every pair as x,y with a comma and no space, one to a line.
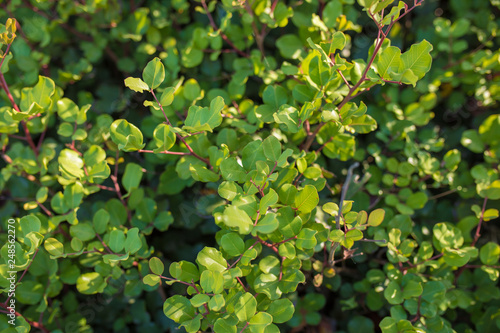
133,242
212,281
225,326
489,253
83,231
199,299
164,137
73,195
178,308
234,217
184,271
272,148
331,12
363,124
151,280
489,130
446,235
288,117
388,62
290,46
116,240
376,217
271,198
291,279
29,292
156,266
275,96
127,136
167,96
154,73
245,307
136,84
193,325
228,190
232,171
307,199
232,244
266,225
412,289
434,292
30,223
37,97
324,56
287,250
211,259
472,141
493,191
417,200
259,322
216,303
282,310
192,90
132,176
388,325
163,220
417,59
351,236
201,173
452,158
205,119
54,247
70,112
70,163
393,293
306,239
100,221
319,72
90,283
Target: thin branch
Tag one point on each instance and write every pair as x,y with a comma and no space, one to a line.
222,34
345,187
352,90
478,229
163,152
180,137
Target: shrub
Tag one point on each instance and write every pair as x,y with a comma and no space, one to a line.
297,166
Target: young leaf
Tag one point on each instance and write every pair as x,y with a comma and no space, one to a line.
156,266
154,73
376,217
127,136
307,199
136,84
205,119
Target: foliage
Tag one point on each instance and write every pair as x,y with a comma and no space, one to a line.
250,166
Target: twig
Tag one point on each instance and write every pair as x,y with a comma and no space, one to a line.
345,187
382,35
222,34
180,137
478,229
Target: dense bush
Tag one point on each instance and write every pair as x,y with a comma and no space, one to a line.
250,166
